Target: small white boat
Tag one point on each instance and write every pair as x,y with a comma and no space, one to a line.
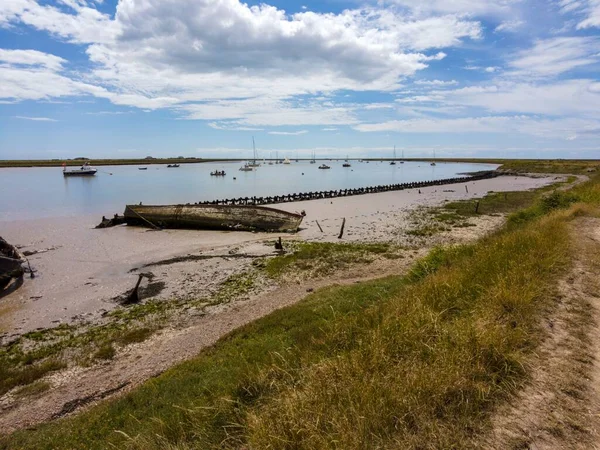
286,161
85,170
324,166
246,168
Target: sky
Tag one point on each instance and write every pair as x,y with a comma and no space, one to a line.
458,78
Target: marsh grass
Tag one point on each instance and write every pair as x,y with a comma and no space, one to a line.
11,376
33,389
317,259
35,354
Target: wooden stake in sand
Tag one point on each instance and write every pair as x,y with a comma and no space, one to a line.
477,207
133,296
342,229
319,226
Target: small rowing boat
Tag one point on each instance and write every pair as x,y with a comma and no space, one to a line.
213,217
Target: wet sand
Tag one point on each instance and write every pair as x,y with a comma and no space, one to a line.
85,269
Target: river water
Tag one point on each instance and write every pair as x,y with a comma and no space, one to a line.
31,193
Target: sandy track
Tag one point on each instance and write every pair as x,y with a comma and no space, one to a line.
560,407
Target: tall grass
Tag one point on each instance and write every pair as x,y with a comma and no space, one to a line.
432,359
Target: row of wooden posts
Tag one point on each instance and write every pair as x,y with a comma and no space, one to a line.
296,197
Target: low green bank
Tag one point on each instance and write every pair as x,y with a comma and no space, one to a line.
101,162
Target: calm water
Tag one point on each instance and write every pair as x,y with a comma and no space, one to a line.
43,192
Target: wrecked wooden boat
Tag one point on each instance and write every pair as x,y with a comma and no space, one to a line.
213,217
11,261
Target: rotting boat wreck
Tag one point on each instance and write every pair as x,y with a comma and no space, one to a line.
213,217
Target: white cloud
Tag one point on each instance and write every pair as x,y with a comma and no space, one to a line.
108,113
31,58
329,129
288,133
83,25
593,15
578,98
549,128
464,7
553,56
491,69
509,26
436,83
590,9
225,60
36,119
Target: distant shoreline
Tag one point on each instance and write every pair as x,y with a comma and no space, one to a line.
128,162
104,162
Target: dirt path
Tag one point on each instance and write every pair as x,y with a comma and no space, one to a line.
560,406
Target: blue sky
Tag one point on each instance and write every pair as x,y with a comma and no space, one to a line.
131,78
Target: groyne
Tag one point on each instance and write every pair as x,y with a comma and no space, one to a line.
303,196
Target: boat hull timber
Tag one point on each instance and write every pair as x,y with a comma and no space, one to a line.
213,217
11,261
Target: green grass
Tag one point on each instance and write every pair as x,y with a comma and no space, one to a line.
105,352
32,355
551,166
135,335
11,377
33,389
317,259
100,162
404,362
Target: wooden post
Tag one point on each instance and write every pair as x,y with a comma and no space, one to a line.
319,226
133,296
477,207
466,189
342,228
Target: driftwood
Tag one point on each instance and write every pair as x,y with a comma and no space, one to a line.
319,226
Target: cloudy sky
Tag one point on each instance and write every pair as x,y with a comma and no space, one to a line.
129,78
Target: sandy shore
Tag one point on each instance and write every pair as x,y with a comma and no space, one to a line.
84,269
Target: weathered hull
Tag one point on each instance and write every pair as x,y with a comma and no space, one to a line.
9,268
216,217
10,263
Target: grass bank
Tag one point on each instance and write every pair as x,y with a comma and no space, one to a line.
101,162
403,362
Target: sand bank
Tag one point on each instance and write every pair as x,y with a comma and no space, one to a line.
84,269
